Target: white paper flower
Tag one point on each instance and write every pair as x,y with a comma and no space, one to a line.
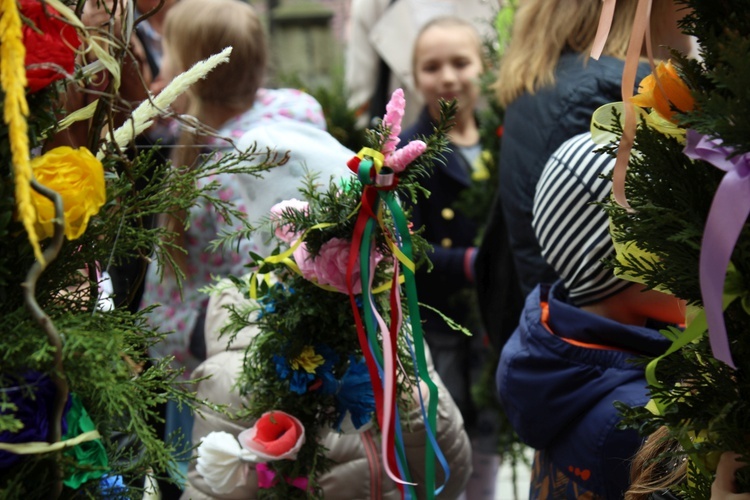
220,462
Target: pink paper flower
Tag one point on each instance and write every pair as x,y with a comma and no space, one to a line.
329,267
283,231
275,436
394,114
400,159
304,262
267,478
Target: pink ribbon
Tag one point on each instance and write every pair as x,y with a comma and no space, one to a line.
267,478
602,31
726,218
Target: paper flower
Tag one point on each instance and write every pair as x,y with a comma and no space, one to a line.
267,478
313,363
355,400
32,399
308,360
219,461
299,380
283,231
275,436
329,267
113,487
79,178
90,454
50,45
675,93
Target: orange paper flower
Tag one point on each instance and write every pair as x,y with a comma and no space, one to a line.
670,97
78,177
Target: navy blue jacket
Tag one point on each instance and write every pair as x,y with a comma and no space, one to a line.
558,389
534,127
451,233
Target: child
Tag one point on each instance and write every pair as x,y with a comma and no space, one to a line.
572,355
447,63
231,101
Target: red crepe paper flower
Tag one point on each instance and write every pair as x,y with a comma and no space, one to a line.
275,436
50,45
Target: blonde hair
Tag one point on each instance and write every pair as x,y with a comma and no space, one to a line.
650,471
193,31
447,22
544,29
197,29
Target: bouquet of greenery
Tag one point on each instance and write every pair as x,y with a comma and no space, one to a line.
335,347
686,233
75,379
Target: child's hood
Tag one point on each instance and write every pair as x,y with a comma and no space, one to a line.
547,384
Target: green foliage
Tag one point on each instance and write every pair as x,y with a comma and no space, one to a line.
671,196
104,354
720,84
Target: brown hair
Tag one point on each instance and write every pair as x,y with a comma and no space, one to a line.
656,467
544,29
195,30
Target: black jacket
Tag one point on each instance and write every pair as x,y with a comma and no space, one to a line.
451,234
534,127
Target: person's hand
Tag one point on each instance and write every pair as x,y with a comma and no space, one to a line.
724,486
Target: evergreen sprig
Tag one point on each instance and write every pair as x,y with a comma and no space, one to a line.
671,197
104,354
292,314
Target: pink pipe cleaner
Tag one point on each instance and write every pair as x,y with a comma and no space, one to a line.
400,159
394,114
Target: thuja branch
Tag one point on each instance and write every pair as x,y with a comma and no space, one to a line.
40,317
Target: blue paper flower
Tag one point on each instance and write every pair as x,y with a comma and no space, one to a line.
300,379
113,487
353,393
267,303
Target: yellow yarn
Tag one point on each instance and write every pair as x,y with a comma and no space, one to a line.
13,81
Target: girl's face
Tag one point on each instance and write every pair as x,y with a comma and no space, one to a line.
447,64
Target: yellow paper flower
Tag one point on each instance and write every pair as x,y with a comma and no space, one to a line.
307,360
673,93
78,177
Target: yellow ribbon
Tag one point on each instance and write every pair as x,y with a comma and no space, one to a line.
377,157
602,131
37,447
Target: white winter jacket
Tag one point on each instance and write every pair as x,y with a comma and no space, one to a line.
358,473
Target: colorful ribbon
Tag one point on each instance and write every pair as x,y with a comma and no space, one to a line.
602,31
726,218
638,33
377,193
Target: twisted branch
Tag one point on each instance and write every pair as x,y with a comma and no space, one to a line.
53,336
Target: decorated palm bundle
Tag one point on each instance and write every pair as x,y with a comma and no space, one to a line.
78,394
339,344
681,227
